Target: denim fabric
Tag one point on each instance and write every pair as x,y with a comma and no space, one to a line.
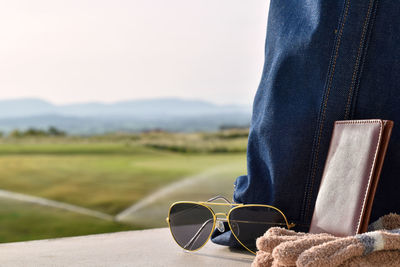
324,61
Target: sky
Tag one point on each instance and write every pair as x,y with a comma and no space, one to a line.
68,51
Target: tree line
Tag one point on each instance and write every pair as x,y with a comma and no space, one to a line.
34,132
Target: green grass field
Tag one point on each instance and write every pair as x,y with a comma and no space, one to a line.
23,221
107,174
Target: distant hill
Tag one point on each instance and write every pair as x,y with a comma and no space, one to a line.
136,115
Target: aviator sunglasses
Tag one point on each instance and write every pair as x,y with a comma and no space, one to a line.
192,223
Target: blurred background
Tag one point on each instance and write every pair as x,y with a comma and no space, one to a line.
112,110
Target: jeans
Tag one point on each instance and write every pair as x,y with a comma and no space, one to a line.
324,61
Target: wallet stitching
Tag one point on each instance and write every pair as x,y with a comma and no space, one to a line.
358,122
373,162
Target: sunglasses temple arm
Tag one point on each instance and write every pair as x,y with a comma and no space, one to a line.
194,238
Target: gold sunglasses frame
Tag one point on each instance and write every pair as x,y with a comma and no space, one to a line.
226,215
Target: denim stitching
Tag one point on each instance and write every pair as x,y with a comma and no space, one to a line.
310,185
357,85
357,63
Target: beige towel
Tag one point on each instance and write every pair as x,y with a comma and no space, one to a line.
282,247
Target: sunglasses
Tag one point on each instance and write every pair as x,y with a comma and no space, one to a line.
192,223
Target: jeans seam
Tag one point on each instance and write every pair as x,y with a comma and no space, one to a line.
365,52
310,183
360,51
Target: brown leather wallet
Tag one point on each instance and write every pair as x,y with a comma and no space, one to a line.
350,176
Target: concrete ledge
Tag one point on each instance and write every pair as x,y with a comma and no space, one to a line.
134,248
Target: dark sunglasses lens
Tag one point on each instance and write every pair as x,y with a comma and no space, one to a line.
249,223
191,224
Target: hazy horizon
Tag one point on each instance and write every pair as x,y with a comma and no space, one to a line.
106,51
171,114
123,100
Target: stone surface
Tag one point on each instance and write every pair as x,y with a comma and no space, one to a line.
134,248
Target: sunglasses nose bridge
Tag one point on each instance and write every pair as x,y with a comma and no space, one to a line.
221,214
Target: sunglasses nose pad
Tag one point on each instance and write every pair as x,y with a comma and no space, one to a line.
220,226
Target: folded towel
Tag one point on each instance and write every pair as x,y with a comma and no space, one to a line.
280,247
